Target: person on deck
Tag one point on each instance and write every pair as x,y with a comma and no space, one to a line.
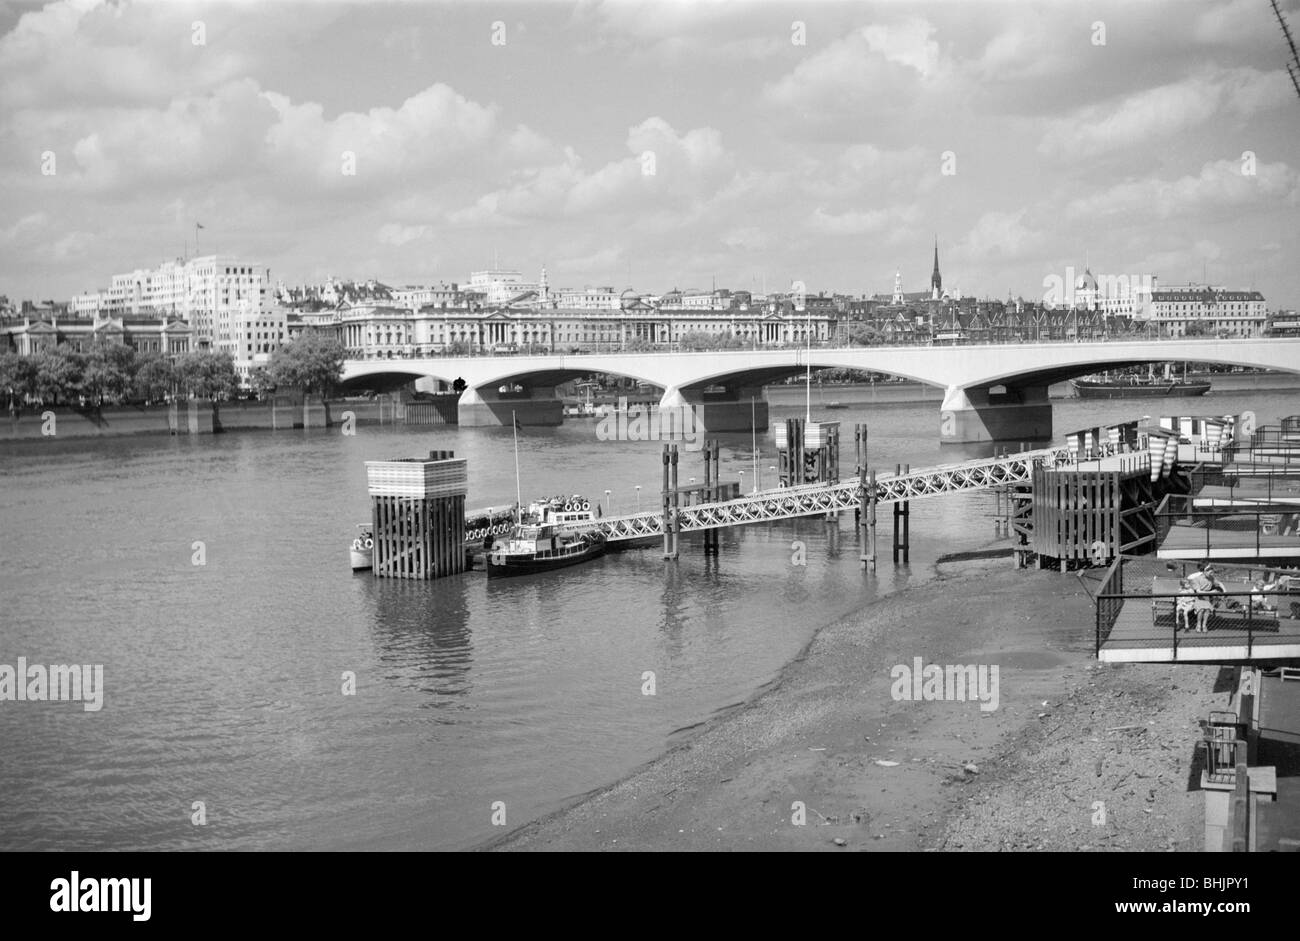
1184,605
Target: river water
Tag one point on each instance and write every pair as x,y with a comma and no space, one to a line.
223,682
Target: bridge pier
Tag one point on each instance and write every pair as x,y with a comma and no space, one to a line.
974,415
716,412
489,407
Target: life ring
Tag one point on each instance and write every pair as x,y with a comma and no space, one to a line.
586,505
356,544
1098,552
568,507
370,543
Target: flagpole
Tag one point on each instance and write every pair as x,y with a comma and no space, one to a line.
807,382
519,500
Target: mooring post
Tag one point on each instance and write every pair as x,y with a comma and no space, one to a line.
665,505
898,512
907,524
871,522
677,501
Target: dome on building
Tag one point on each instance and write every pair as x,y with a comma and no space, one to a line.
1086,282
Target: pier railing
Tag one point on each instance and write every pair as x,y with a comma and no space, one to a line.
818,499
1246,483
1228,526
1110,600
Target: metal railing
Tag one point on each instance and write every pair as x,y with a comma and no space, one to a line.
1181,510
1244,610
1277,481
577,348
820,498
1110,601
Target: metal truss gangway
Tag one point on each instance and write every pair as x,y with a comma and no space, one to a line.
819,499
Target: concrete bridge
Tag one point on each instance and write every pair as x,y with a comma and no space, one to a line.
993,392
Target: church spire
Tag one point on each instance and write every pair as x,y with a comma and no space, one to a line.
936,280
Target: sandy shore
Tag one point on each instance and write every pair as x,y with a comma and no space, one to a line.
880,774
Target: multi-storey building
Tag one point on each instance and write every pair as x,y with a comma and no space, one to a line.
589,298
1190,309
206,292
144,334
500,285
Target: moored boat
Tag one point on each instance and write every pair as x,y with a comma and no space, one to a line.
1136,388
553,534
363,549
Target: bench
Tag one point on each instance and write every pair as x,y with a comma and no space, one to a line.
1220,617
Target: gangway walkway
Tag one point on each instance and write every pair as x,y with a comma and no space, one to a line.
818,499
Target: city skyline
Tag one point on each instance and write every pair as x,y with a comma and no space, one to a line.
786,142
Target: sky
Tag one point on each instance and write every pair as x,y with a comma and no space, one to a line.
653,145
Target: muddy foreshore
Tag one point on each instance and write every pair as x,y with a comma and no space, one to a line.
1076,756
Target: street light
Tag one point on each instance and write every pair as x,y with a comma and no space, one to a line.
638,498
606,501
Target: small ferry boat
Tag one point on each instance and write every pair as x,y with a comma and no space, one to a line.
836,405
550,535
362,549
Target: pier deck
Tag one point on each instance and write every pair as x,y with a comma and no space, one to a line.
1137,638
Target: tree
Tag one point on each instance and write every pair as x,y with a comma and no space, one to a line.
155,376
207,375
108,370
458,385
313,363
863,334
261,381
57,373
17,377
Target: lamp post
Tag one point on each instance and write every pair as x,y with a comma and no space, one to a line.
638,498
606,501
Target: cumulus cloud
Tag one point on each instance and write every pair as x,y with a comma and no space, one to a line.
999,233
1221,185
392,233
663,167
428,131
873,63
1160,112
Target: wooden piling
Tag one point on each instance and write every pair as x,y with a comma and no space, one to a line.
907,524
869,528
417,513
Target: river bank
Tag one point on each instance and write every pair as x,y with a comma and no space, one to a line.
879,773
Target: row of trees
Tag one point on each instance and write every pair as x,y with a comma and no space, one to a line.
113,372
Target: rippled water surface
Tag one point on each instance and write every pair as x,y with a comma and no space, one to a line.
223,682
